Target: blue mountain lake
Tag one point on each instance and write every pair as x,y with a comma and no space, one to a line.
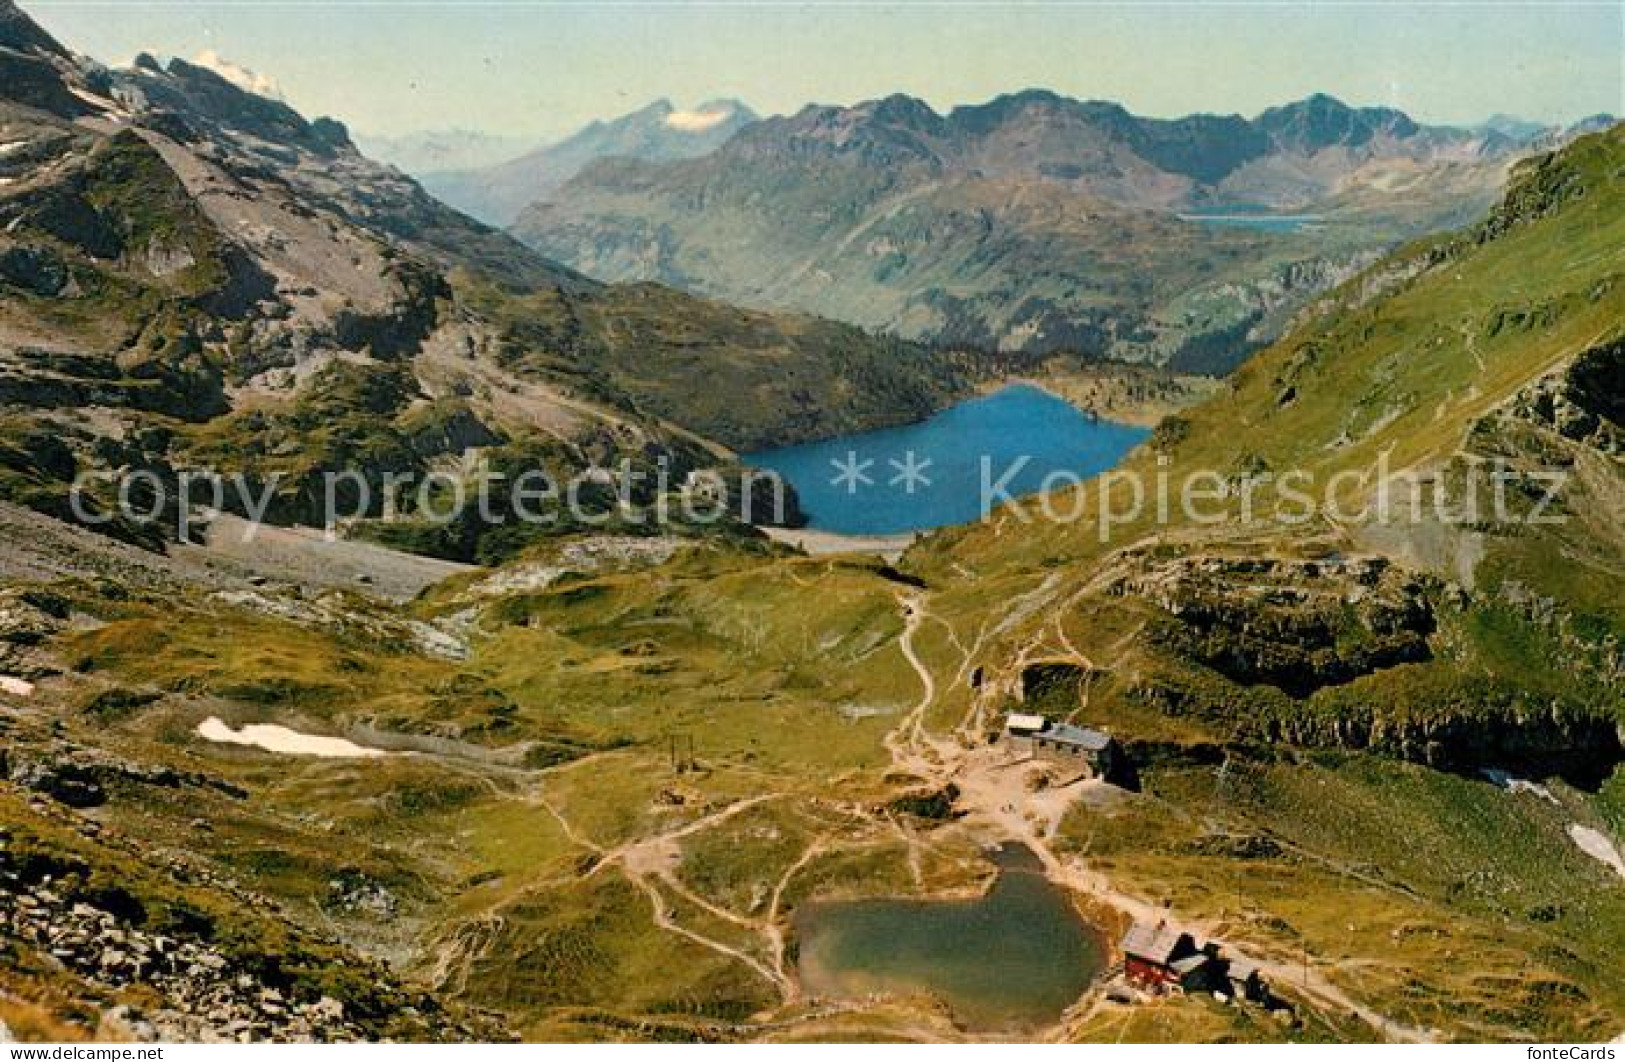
860,484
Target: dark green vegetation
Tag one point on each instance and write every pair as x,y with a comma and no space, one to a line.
743,379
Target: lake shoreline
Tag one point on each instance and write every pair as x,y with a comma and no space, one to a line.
1090,392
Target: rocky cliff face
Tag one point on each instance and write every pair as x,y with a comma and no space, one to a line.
1300,628
1583,403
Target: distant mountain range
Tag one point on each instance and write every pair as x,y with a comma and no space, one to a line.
439,150
1033,222
659,132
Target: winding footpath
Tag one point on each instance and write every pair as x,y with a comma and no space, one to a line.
991,794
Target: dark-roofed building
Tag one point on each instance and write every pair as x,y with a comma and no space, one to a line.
1197,972
1157,958
1094,750
1246,980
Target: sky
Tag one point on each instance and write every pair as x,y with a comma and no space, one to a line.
539,69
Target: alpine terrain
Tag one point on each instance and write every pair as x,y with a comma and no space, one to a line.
288,755
1035,223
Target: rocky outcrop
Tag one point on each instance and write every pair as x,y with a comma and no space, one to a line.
42,379
81,777
205,993
36,269
35,81
27,620
1297,626
1540,742
402,327
1585,403
28,617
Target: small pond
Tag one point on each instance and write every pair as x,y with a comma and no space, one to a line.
1009,961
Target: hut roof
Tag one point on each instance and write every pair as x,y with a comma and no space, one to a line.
1153,943
1079,737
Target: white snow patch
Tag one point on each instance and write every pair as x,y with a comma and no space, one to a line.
8,146
282,740
16,686
697,121
1598,846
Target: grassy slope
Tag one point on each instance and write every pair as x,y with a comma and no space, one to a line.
592,677
1405,371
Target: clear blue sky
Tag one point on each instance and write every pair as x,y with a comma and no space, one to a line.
542,68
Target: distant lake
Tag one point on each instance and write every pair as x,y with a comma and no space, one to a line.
1015,423
1013,959
1257,222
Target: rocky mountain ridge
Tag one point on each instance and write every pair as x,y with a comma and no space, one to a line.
498,193
1032,223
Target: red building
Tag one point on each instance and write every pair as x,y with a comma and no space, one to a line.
1156,956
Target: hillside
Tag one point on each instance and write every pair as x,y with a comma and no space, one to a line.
196,277
1310,697
1031,223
